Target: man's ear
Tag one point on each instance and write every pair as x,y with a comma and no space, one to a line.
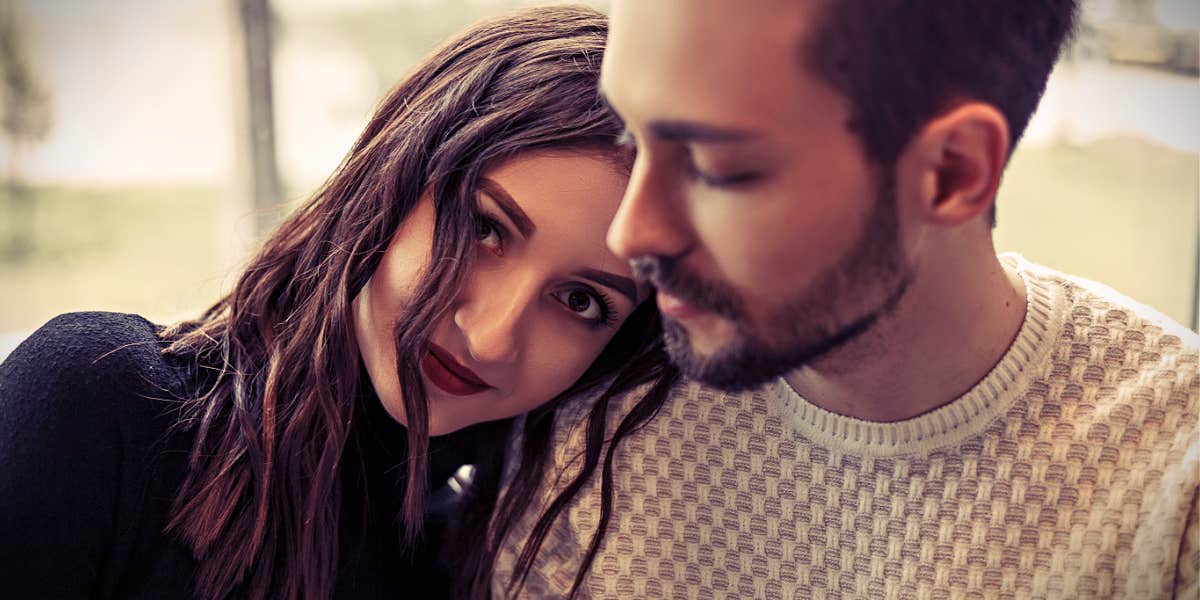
950,171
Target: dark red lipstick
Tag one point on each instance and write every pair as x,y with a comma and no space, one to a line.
449,375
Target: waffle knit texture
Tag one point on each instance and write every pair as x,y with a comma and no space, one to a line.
1070,471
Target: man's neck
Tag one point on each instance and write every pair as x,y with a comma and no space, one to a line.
954,324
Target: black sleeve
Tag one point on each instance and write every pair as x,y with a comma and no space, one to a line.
62,393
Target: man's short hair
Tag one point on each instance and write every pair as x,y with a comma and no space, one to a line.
903,62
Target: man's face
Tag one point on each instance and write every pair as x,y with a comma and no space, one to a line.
751,207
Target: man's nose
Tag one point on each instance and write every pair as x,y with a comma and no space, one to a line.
651,219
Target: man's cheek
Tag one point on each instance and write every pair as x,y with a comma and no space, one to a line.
755,261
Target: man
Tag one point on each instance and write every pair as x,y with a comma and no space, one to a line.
880,407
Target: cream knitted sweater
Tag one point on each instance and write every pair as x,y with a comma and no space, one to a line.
1071,471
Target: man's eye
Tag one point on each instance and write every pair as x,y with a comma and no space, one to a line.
698,175
487,233
720,181
725,181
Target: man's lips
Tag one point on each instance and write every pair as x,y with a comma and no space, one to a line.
676,307
448,374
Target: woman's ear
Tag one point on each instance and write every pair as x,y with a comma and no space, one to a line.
951,169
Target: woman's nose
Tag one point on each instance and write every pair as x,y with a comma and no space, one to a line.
492,318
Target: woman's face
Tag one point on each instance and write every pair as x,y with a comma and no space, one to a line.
543,299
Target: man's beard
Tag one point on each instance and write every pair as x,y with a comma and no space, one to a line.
844,301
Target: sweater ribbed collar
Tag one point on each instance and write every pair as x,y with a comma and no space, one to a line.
958,420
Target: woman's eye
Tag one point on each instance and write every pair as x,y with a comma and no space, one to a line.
586,305
487,233
582,303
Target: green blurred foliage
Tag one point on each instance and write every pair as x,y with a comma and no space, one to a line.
151,251
1120,211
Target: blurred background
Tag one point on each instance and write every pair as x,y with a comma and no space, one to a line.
145,145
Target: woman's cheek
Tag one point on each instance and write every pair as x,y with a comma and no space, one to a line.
409,252
567,364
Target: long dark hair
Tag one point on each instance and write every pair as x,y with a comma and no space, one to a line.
635,356
277,356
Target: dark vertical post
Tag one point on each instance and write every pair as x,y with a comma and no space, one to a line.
262,171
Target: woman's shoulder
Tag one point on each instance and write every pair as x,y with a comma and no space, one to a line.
87,405
86,364
74,337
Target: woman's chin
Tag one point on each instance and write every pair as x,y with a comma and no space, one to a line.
439,426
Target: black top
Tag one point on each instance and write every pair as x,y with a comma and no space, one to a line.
89,466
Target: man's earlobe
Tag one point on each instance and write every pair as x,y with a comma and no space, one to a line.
960,155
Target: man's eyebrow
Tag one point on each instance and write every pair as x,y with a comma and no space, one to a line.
682,131
510,207
624,285
687,131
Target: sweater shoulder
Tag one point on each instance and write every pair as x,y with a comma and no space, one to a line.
1126,368
96,367
81,339
1093,303
85,404
1123,335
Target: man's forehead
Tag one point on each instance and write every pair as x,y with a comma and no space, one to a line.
675,59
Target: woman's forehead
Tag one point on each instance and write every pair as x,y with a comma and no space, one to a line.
570,199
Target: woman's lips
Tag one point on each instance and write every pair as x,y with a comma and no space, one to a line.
448,374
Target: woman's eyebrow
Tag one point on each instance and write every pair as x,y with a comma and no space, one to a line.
624,285
510,207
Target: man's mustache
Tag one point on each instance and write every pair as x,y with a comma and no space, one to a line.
665,275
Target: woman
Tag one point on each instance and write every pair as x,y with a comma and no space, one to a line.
450,275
